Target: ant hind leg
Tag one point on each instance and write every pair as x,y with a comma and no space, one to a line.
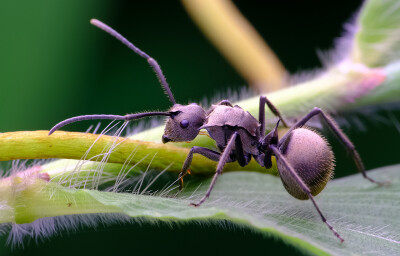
289,170
339,134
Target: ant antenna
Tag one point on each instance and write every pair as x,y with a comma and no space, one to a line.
113,117
153,63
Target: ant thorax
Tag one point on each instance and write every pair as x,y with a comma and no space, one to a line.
223,120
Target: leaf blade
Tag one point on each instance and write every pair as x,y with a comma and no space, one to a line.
364,214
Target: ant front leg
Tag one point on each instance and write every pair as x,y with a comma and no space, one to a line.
288,170
339,134
210,154
225,158
261,114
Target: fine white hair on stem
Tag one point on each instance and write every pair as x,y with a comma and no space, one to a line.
105,158
97,128
155,178
122,174
42,229
77,168
342,45
98,166
89,129
233,95
95,175
121,177
194,195
143,176
165,191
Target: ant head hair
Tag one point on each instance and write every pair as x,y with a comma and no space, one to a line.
152,62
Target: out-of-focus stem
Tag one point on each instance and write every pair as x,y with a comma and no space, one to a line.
340,88
238,41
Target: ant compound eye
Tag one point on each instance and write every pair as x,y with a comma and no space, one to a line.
184,123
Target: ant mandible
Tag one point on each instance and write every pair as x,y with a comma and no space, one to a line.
304,158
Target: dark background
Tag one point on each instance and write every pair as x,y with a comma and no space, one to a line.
54,65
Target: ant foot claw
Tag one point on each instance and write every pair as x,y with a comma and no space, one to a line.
379,183
384,183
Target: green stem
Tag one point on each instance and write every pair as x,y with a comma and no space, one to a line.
73,145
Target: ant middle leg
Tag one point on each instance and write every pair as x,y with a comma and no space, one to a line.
288,170
234,141
261,114
339,134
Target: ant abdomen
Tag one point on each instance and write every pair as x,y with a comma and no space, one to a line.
311,157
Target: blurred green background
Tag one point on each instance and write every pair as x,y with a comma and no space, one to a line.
54,65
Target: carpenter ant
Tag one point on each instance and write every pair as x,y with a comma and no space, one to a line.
304,158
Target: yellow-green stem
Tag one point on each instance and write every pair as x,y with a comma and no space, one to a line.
73,145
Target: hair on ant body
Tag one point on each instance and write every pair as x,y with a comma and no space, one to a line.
304,158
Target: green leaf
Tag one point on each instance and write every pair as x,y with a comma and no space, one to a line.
377,40
364,214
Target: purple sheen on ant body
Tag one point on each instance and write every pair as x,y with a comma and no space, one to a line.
184,123
312,158
223,120
220,115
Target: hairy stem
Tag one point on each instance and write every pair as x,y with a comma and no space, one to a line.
73,145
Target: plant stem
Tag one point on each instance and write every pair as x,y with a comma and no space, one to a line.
73,145
238,41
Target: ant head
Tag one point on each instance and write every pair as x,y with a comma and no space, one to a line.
184,123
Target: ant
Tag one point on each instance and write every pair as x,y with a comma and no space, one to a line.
304,158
